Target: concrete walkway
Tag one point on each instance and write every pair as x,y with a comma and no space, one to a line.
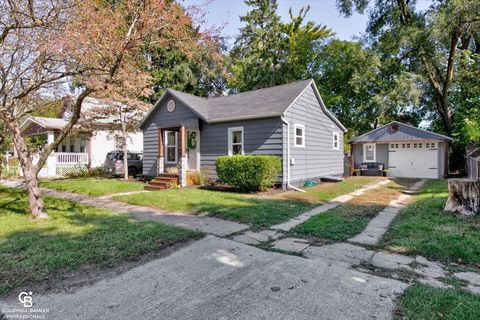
290,224
377,227
217,278
418,268
110,196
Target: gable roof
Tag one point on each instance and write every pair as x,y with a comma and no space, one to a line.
44,122
90,106
260,103
404,132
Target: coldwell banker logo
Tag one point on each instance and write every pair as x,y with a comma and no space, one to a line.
27,312
26,299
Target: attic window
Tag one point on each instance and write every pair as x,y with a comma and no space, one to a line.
394,128
171,105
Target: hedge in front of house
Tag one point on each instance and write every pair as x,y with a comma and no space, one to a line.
248,172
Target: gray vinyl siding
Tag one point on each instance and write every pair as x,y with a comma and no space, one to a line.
381,154
161,119
357,155
317,158
261,137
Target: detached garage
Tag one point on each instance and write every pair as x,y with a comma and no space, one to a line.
406,151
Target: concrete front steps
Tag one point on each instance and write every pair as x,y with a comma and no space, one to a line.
162,181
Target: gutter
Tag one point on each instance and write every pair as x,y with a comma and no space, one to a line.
288,156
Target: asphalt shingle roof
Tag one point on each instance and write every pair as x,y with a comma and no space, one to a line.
397,131
272,101
260,103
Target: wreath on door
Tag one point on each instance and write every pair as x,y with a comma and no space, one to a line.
192,140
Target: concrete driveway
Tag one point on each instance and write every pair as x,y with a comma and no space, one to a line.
216,278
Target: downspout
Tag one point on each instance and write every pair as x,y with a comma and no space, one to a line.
288,156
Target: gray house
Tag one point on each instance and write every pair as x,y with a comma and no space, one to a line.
404,150
185,133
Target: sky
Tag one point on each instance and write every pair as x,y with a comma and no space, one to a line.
324,12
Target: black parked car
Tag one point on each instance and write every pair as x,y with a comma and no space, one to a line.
114,163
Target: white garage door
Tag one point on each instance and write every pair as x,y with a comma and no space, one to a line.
413,160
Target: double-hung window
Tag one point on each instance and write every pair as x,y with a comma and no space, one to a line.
299,135
171,151
235,141
336,141
369,152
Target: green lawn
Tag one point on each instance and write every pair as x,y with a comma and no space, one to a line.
349,219
74,237
337,224
424,228
421,302
256,210
93,186
324,192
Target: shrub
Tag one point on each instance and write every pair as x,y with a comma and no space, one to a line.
248,173
82,172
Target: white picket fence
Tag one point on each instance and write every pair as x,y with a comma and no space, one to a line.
71,158
70,163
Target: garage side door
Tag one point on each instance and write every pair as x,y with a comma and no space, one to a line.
413,160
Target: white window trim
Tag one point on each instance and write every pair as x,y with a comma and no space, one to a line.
230,143
296,125
374,152
176,147
336,134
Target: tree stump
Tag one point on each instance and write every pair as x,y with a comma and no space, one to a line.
463,196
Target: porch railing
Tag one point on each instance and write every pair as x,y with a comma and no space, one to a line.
71,158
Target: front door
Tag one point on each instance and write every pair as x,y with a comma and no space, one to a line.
193,149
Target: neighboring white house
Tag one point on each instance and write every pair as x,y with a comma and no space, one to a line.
86,148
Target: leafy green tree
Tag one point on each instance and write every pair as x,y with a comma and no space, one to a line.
466,99
201,73
259,51
426,43
269,52
438,45
360,90
304,42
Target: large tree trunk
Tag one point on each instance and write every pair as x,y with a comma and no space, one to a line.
35,200
463,196
37,208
